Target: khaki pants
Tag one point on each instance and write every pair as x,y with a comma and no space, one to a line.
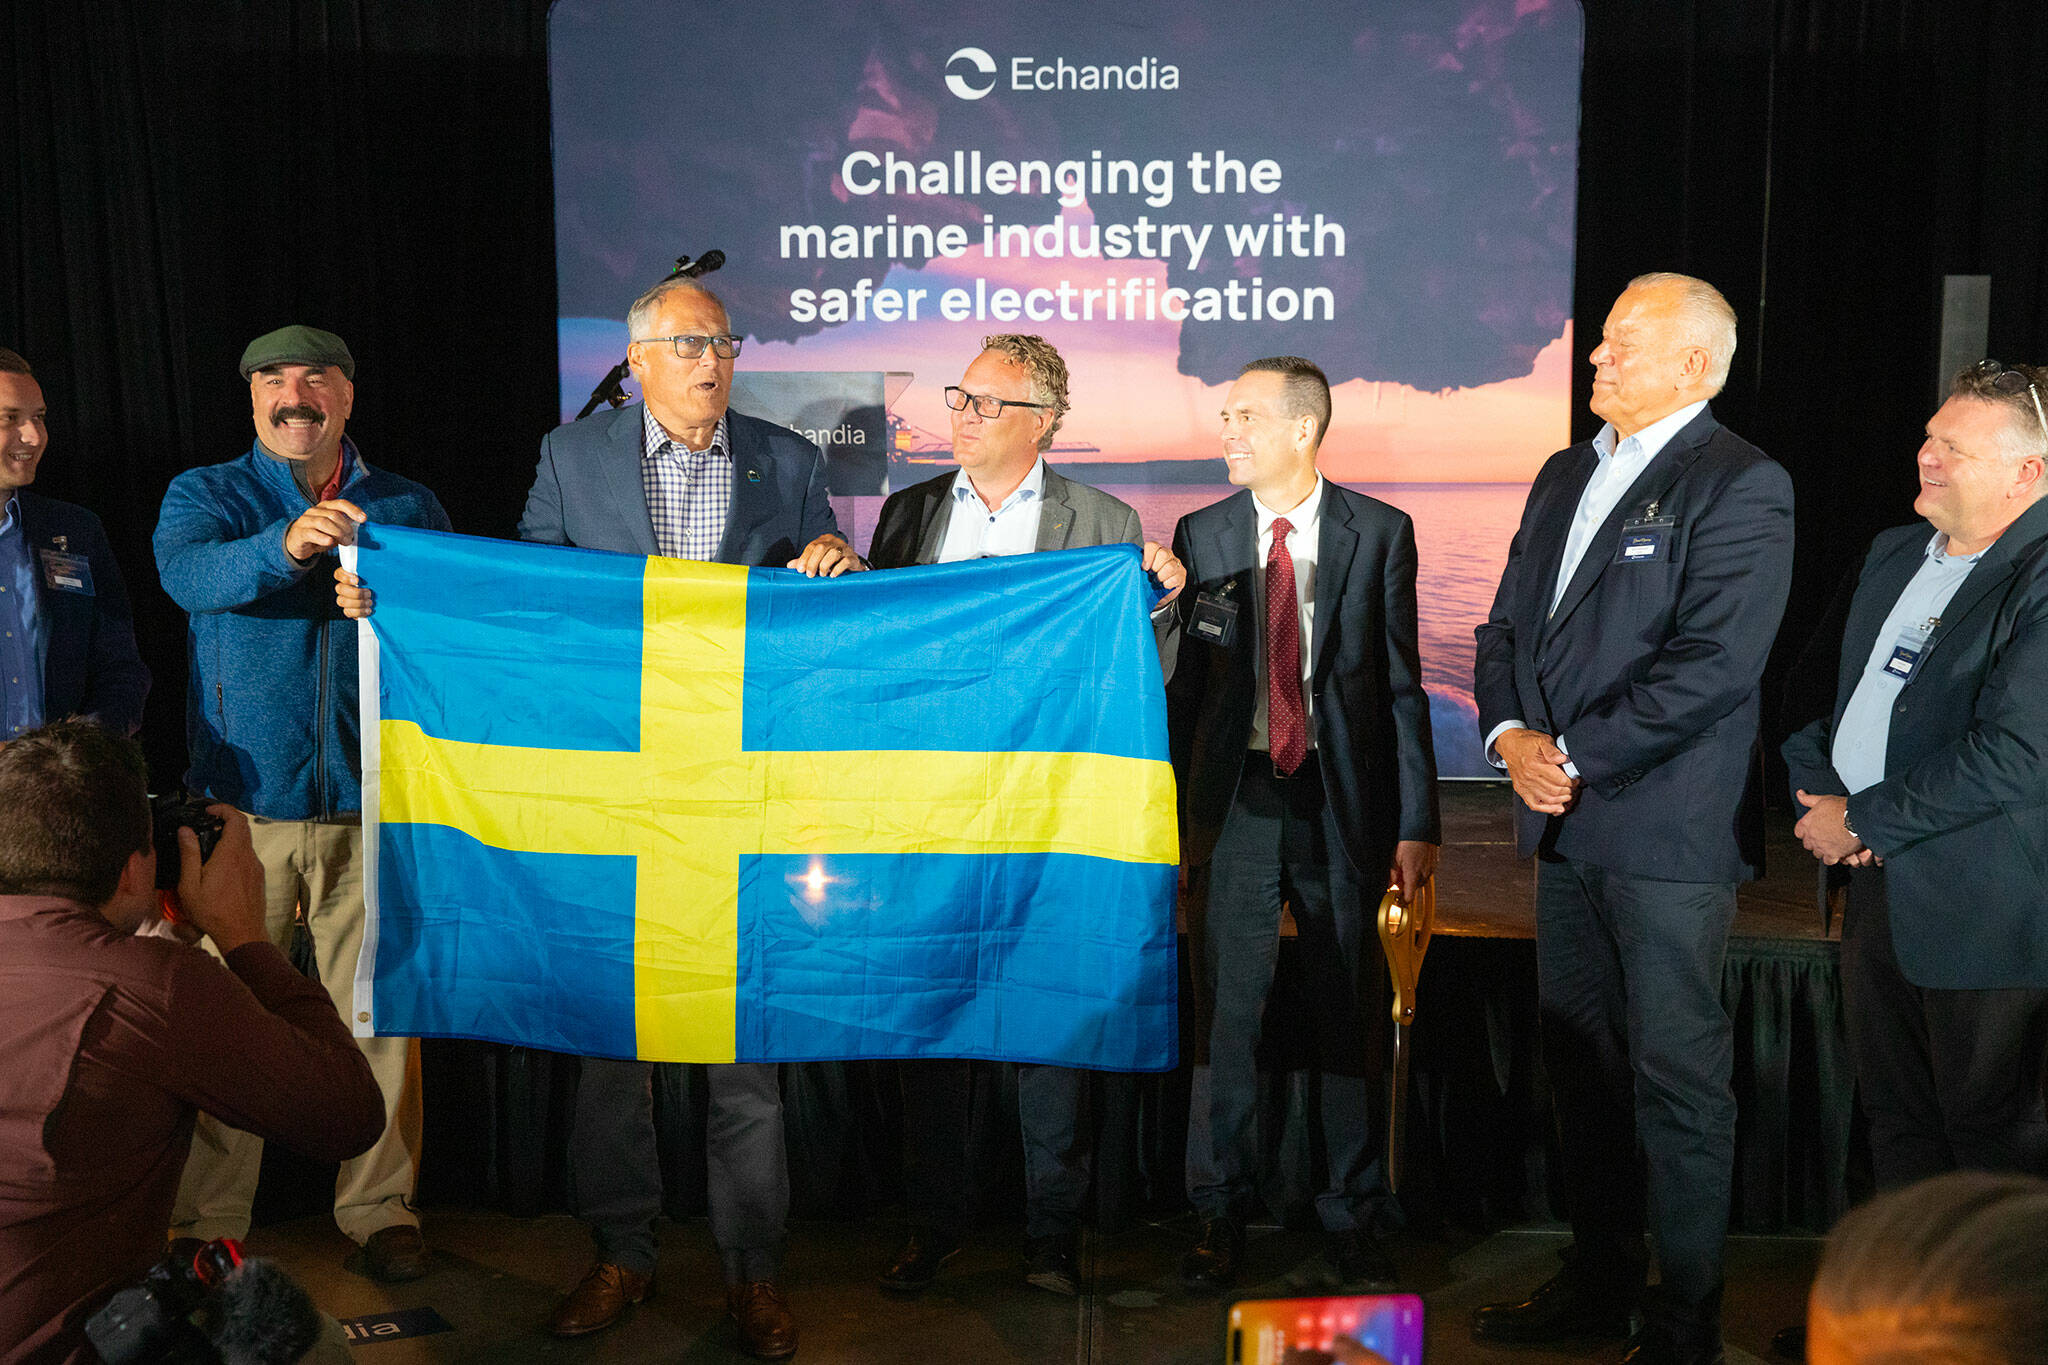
319,867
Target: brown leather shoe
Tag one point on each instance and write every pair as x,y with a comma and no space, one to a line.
767,1328
392,1255
605,1294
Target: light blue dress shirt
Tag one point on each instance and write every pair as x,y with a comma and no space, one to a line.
1865,732
1621,464
22,645
975,532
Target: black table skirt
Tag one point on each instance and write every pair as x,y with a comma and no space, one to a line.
1481,1138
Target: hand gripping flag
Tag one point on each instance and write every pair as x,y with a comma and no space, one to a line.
678,811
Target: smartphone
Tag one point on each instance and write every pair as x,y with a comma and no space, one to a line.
1262,1331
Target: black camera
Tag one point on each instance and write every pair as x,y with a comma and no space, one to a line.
168,813
206,1303
152,1321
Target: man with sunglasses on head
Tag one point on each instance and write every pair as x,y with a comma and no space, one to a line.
1003,500
1927,783
678,474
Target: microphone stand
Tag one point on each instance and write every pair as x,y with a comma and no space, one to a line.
611,388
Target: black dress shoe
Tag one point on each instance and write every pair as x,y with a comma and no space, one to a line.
917,1265
1357,1259
1561,1309
1654,1345
1211,1268
1050,1264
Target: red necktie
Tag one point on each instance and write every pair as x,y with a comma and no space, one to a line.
1286,723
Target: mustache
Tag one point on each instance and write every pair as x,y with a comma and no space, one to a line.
300,411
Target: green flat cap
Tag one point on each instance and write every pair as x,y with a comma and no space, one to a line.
298,345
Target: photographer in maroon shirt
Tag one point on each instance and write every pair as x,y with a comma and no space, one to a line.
114,1041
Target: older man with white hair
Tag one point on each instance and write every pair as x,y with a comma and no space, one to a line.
1617,685
1927,782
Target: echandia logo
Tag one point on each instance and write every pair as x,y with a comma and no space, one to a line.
983,73
1034,74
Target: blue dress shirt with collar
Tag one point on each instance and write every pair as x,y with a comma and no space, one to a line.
1865,730
22,643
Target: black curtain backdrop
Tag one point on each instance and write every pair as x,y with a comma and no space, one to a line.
181,178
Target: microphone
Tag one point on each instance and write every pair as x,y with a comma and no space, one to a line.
258,1315
610,388
703,265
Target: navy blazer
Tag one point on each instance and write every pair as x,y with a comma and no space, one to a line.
587,490
1371,718
91,667
1961,817
1648,669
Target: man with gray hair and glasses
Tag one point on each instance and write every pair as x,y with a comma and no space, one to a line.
1927,782
677,474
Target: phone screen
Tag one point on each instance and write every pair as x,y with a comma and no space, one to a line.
1263,1330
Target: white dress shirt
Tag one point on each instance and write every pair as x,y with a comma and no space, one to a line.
975,532
1306,519
1621,463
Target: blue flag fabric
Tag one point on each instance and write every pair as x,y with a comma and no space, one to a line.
693,812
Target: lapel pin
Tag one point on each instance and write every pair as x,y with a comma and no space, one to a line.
62,543
753,476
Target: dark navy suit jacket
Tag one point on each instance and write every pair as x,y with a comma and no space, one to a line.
1371,714
92,667
1961,817
1649,669
587,490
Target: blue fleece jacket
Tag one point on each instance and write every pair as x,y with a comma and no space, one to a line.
271,722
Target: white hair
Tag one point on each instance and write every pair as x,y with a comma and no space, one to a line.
1704,319
640,317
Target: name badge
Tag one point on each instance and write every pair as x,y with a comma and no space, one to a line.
1214,619
1911,647
1645,539
66,572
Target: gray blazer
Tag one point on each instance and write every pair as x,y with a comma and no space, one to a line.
912,527
912,530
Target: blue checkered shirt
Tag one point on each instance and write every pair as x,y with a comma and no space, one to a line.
689,492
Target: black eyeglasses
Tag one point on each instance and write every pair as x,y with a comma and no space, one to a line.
2005,380
987,405
690,348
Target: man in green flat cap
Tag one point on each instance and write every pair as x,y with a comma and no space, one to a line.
248,549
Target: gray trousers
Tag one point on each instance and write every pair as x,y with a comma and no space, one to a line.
615,1174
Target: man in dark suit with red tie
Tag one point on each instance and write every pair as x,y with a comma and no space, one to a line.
1616,677
1301,742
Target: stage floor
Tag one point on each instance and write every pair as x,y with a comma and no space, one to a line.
1485,891
496,1278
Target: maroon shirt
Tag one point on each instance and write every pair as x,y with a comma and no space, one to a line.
109,1043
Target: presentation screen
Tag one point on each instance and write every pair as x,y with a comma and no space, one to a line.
1163,191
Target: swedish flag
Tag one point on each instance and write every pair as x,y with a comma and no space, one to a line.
655,808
